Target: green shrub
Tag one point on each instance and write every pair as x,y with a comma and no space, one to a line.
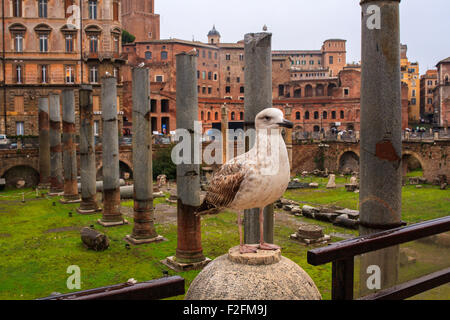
163,164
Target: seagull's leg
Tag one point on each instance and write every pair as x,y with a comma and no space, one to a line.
262,244
242,247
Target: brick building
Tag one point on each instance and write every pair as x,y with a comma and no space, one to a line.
47,48
140,20
428,82
442,94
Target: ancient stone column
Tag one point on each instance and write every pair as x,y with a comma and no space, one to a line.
258,96
189,246
381,142
144,228
110,144
88,172
69,148
56,174
224,125
288,133
44,144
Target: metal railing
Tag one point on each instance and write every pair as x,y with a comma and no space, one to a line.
342,254
150,290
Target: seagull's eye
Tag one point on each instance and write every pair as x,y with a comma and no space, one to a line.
267,118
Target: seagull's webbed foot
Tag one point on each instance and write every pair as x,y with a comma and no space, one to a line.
247,249
268,246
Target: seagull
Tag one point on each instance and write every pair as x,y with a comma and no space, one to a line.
141,65
254,179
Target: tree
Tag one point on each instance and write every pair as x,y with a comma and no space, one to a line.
127,37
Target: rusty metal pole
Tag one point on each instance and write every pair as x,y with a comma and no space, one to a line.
69,149
56,175
224,127
44,144
110,155
381,142
88,203
258,96
144,228
189,253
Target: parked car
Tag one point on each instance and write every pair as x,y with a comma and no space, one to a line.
4,139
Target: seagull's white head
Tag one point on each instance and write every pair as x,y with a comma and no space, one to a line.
271,118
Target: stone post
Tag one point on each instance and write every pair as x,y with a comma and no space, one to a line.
189,253
87,153
44,144
69,149
144,228
381,134
258,96
56,174
224,126
110,144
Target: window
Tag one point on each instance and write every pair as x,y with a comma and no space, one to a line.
203,90
148,55
238,79
331,59
209,115
203,75
215,55
42,8
165,105
209,90
43,43
241,89
414,93
17,8
209,55
69,43
227,89
93,44
116,44
228,79
325,115
307,115
316,114
44,73
346,91
227,56
342,114
93,74
297,116
19,128
413,101
241,57
233,116
163,55
93,9
67,5
203,53
19,74
159,78
70,74
210,75
311,62
116,72
19,104
96,127
202,115
215,76
116,11
430,101
18,43
153,103
241,116
333,114
216,116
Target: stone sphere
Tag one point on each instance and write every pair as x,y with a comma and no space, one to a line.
224,279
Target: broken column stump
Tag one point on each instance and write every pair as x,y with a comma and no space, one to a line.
94,240
310,234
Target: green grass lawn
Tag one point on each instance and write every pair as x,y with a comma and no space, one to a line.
39,241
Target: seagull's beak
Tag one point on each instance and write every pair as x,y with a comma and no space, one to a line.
286,124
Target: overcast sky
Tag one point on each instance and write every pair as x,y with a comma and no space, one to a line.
305,24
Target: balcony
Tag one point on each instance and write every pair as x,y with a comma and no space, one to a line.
105,55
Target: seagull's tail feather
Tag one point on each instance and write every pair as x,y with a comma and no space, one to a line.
207,208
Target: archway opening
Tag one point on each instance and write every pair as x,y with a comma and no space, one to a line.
412,168
349,163
23,176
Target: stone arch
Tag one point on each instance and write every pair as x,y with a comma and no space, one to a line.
330,88
348,161
309,90
298,93
320,90
124,167
412,161
18,172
